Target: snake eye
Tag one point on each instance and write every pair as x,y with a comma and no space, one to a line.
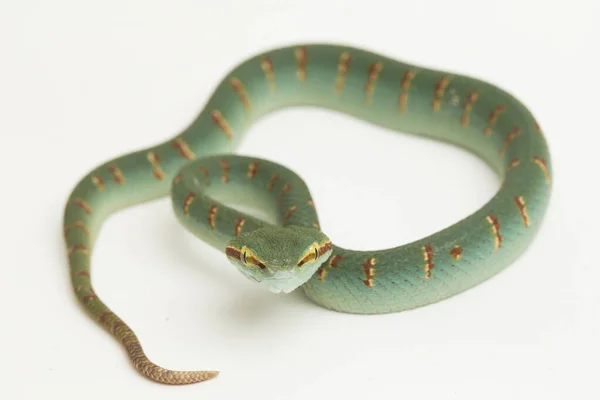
311,255
247,257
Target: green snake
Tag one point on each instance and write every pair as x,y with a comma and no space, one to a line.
203,176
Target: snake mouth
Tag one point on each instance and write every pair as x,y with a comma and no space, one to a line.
280,275
282,281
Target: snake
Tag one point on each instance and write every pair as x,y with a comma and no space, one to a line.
287,250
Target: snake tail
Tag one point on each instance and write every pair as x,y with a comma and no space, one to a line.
86,210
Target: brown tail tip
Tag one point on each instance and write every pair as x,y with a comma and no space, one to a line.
151,370
169,377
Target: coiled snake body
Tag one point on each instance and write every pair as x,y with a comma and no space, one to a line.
198,166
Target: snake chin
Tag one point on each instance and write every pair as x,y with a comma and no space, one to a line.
277,290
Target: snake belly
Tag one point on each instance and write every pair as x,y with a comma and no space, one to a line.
468,112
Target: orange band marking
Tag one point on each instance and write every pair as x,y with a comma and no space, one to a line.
117,174
187,202
520,200
493,220
78,248
221,122
509,138
468,107
84,272
89,297
253,169
212,216
343,65
440,89
369,269
321,273
83,205
428,257
177,179
267,66
333,261
102,317
301,60
316,225
284,189
239,225
98,182
77,224
456,252
289,213
157,171
271,183
204,172
542,164
183,149
373,74
225,170
405,85
237,86
493,118
514,163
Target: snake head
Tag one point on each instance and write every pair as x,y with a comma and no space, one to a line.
280,258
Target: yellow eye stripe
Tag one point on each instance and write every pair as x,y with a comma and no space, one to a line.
248,258
315,252
245,256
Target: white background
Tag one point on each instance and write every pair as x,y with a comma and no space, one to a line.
82,83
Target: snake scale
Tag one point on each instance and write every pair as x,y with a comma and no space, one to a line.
199,169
